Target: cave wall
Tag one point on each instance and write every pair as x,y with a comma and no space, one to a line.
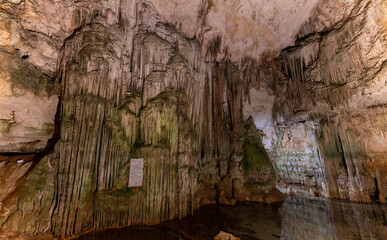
329,114
134,86
206,96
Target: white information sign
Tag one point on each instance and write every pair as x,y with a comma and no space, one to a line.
136,173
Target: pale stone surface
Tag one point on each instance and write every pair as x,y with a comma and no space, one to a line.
250,28
259,106
295,152
247,28
26,120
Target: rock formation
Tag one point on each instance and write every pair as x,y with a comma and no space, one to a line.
219,98
330,103
225,236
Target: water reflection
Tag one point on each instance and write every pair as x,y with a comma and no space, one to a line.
304,218
135,233
298,218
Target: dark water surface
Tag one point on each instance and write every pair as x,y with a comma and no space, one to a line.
299,218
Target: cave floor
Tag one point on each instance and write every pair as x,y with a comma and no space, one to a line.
298,217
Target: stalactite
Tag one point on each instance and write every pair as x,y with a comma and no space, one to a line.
324,81
153,97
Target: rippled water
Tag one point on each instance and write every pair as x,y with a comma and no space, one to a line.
298,218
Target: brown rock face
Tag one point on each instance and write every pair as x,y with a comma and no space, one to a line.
136,79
